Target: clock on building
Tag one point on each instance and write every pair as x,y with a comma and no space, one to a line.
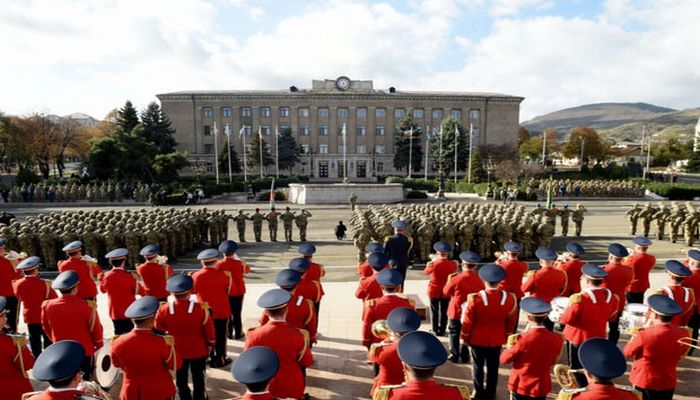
342,83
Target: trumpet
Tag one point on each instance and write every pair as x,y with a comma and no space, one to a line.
565,376
501,256
162,260
380,329
89,259
690,342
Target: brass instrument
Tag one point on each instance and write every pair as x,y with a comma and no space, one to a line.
380,329
690,342
93,390
501,256
14,257
162,260
89,259
512,340
565,376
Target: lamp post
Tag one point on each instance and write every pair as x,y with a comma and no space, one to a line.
489,170
441,170
311,163
372,156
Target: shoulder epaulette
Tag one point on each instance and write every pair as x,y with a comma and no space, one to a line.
383,392
115,337
632,390
463,390
376,346
45,302
660,291
575,298
429,263
169,340
568,394
92,303
369,303
471,297
530,273
19,340
28,396
205,308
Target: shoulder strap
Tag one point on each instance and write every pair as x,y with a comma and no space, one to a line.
305,334
48,289
20,341
93,313
463,391
171,305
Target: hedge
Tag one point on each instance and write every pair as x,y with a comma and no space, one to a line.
416,194
674,191
265,196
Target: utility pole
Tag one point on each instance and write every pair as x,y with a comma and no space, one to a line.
583,144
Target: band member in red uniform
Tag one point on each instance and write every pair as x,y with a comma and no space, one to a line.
693,282
60,366
289,343
533,353
8,273
384,354
489,317
439,270
364,269
212,286
458,287
656,352
376,309
300,311
515,270
15,360
32,291
603,362
315,272
641,263
188,322
547,282
309,289
121,288
237,269
587,314
619,277
421,354
571,265
71,318
87,272
685,297
154,274
147,360
255,368
368,288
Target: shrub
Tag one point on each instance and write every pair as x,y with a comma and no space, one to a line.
416,194
265,195
674,191
26,176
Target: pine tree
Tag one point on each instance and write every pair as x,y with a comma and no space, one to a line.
403,146
223,161
253,156
446,145
157,129
289,150
127,117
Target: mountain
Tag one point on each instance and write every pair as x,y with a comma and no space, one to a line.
620,121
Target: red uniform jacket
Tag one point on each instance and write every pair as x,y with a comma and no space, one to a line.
515,270
70,318
596,391
693,282
421,390
385,354
212,287
32,291
8,273
121,288
545,283
314,274
655,353
685,297
364,270
189,323
147,361
154,276
489,316
530,373
237,268
292,348
380,308
310,290
368,288
619,277
458,287
588,313
301,314
439,271
63,395
13,378
641,264
87,273
572,268
255,396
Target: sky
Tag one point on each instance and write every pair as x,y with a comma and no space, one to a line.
66,56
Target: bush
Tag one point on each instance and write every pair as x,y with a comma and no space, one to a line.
430,185
674,191
416,194
478,188
26,176
174,199
265,195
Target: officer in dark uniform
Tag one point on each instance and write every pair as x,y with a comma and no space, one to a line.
59,365
398,248
255,368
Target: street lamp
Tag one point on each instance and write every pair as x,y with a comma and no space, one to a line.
490,167
311,166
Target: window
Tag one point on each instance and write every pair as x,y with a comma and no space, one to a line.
342,112
341,148
380,149
379,130
361,112
474,114
284,111
475,132
210,167
341,170
418,113
380,167
226,111
247,129
248,147
304,130
208,131
303,111
265,111
246,112
322,149
305,148
361,149
323,169
361,130
208,149
323,112
285,128
380,112
207,112
323,130
361,169
265,129
437,113
399,113
436,130
456,113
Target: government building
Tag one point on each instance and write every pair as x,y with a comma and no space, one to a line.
317,117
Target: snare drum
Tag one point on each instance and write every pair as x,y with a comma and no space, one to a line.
106,374
633,317
559,304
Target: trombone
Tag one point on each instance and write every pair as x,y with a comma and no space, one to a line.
690,342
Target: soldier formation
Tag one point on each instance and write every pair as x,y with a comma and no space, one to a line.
175,231
584,188
288,218
482,228
674,221
71,192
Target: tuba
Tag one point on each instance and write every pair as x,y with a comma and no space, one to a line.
15,258
380,329
565,376
93,391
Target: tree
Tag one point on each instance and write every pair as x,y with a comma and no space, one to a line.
478,172
103,157
157,129
139,154
253,156
403,146
166,166
531,149
523,135
223,160
442,148
69,139
289,150
593,145
670,151
127,117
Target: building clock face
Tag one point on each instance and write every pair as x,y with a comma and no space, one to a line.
342,83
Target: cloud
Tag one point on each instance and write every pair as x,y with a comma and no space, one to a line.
502,8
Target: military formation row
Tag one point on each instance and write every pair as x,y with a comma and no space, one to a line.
72,192
288,218
481,227
680,220
174,231
585,188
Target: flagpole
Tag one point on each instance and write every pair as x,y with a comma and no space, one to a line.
277,154
410,151
228,142
427,150
345,154
245,152
260,140
471,140
456,152
216,152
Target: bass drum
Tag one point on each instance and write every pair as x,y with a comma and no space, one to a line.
634,317
559,305
107,376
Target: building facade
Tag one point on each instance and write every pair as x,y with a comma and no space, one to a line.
318,116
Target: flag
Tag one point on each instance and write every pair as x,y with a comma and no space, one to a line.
408,133
344,132
456,131
242,131
260,133
217,132
272,194
227,131
440,131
